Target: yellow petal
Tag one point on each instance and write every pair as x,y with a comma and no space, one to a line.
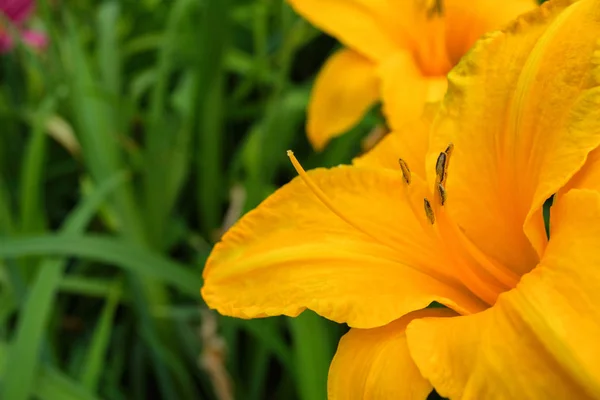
404,89
409,143
523,112
366,26
539,340
294,253
588,177
344,90
467,21
374,364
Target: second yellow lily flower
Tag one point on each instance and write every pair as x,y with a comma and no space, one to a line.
396,50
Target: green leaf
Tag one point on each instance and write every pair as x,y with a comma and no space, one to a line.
50,383
93,368
34,316
118,252
313,350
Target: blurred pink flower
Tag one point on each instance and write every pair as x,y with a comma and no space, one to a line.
17,12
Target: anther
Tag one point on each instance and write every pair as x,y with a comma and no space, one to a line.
429,211
449,150
405,171
442,193
437,8
440,168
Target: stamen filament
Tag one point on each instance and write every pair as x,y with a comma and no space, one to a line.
503,275
321,195
469,278
406,174
489,278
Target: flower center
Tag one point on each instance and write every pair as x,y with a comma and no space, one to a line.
381,239
482,275
471,268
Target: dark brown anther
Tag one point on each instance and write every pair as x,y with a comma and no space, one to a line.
405,171
440,167
442,193
437,9
429,211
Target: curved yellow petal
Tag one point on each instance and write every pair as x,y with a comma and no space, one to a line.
468,20
366,26
523,112
368,269
344,90
404,89
409,143
588,177
374,364
539,340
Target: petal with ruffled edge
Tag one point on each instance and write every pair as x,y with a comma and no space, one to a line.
292,253
343,92
467,21
588,177
375,363
539,340
518,135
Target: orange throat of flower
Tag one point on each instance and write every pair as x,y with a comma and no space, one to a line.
468,265
483,276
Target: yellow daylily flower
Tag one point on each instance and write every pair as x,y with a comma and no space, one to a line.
396,50
458,220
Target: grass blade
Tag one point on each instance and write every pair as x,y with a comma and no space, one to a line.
213,37
314,351
93,368
108,250
36,311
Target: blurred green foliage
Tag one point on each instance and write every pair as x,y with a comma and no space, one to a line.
126,147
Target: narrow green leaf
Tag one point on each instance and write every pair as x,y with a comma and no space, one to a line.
161,141
31,196
214,41
108,47
36,312
313,352
108,250
93,367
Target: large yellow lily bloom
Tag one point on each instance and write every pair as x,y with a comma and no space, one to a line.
397,50
457,221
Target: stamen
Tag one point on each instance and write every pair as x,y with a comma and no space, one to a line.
440,168
466,251
502,274
325,199
442,193
449,150
405,171
429,211
407,177
437,9
322,196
